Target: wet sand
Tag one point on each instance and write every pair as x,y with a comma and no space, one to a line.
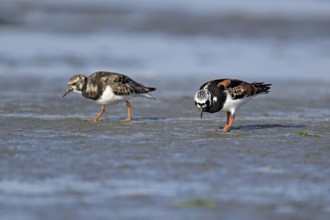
167,163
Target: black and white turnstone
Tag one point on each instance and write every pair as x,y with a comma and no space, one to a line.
227,95
108,88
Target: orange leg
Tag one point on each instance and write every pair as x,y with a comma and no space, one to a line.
228,116
98,115
129,112
227,122
231,122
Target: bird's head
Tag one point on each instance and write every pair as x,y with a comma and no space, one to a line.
203,100
76,84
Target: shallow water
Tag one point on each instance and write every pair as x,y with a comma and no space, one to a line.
170,38
167,163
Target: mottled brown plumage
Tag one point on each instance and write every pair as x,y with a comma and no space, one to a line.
227,95
108,88
238,88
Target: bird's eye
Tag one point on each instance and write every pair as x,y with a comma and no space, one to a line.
74,84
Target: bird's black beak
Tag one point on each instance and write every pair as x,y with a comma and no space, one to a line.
202,110
67,92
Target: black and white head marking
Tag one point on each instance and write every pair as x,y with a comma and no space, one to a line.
76,84
203,100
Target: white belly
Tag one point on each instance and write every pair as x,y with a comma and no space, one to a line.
232,105
109,98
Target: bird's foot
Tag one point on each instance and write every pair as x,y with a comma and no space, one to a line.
127,120
91,120
226,128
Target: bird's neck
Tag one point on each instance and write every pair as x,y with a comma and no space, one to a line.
90,90
217,101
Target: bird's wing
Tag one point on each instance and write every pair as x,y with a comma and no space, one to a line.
238,88
123,85
212,83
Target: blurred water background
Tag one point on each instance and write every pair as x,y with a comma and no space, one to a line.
282,39
167,163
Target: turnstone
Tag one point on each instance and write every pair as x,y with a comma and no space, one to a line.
227,95
108,88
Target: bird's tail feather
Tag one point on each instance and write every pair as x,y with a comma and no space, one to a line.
261,87
151,89
146,95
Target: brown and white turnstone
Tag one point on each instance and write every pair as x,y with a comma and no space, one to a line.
108,88
227,95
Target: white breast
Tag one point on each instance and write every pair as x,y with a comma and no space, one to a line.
232,105
109,98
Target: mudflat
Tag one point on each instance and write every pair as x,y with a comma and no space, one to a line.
167,163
